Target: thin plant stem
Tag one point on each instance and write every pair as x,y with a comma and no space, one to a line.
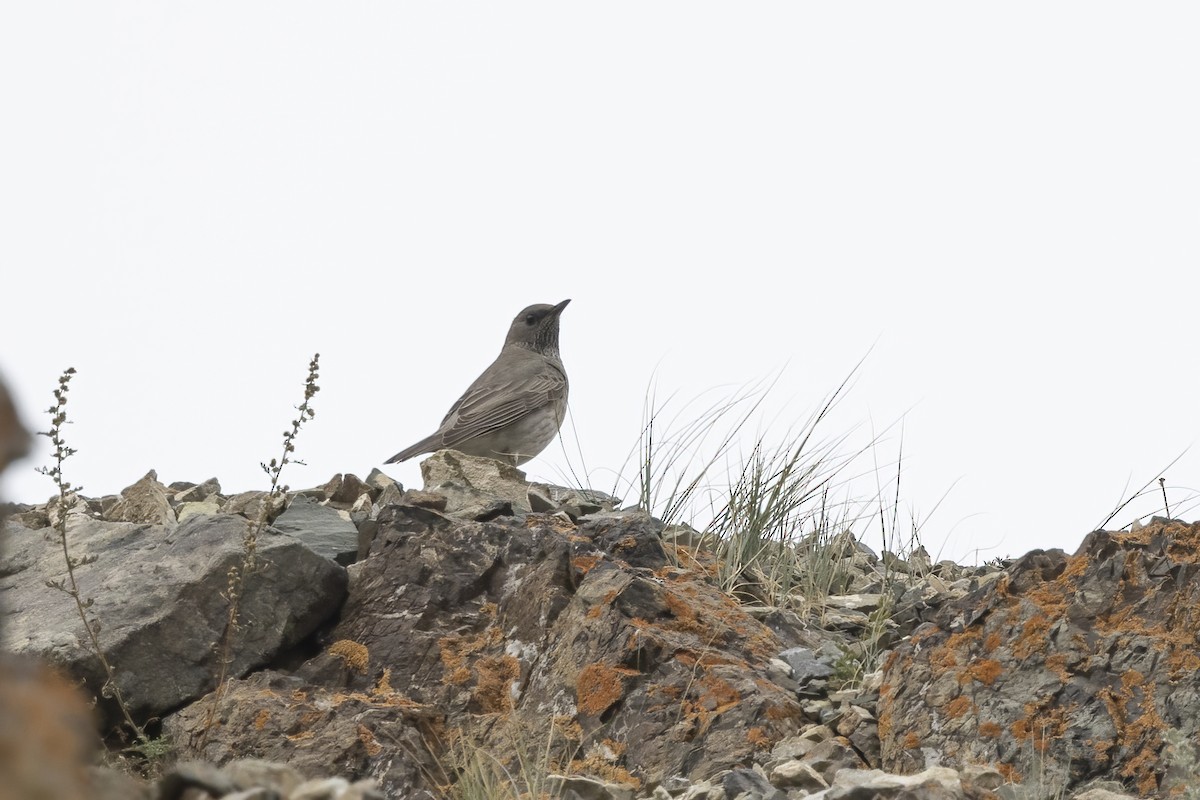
70,587
238,573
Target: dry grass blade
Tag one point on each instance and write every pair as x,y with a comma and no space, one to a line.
671,462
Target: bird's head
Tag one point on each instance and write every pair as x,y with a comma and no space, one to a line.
536,328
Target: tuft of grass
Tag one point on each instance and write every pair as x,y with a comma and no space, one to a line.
526,770
770,500
1189,501
248,566
69,585
672,466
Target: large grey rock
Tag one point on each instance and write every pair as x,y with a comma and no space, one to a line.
158,594
321,528
475,487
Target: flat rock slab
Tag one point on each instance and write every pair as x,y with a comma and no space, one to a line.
321,528
158,594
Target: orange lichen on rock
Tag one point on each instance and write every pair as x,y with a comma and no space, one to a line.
595,765
684,611
568,727
1042,724
1009,773
625,544
384,685
958,706
758,737
716,694
368,739
1137,733
1033,635
990,729
455,650
352,654
494,679
598,687
911,741
775,713
1057,663
984,670
583,564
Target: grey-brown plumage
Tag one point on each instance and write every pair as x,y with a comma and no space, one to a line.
515,408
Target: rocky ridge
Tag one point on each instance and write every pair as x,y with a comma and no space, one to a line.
400,635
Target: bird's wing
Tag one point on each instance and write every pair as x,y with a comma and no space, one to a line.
498,399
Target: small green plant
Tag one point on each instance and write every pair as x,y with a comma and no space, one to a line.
847,671
69,585
239,573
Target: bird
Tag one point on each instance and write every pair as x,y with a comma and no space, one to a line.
515,408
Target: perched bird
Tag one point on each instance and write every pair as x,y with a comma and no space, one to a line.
515,408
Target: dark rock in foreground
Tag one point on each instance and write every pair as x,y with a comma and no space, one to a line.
1072,667
158,593
581,636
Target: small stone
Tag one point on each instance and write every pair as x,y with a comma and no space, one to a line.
1102,794
365,789
256,793
249,504
248,773
983,777
540,503
423,499
777,668
817,733
347,492
392,495
704,791
321,789
145,501
210,506
107,783
748,783
684,535
797,775
806,664
198,492
380,480
195,775
578,787
837,619
675,785
832,757
851,719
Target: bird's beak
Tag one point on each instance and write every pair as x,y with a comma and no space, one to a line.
558,309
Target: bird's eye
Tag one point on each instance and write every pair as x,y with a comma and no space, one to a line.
529,320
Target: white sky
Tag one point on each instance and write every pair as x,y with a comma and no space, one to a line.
1003,200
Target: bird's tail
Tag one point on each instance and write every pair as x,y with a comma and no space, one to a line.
426,445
